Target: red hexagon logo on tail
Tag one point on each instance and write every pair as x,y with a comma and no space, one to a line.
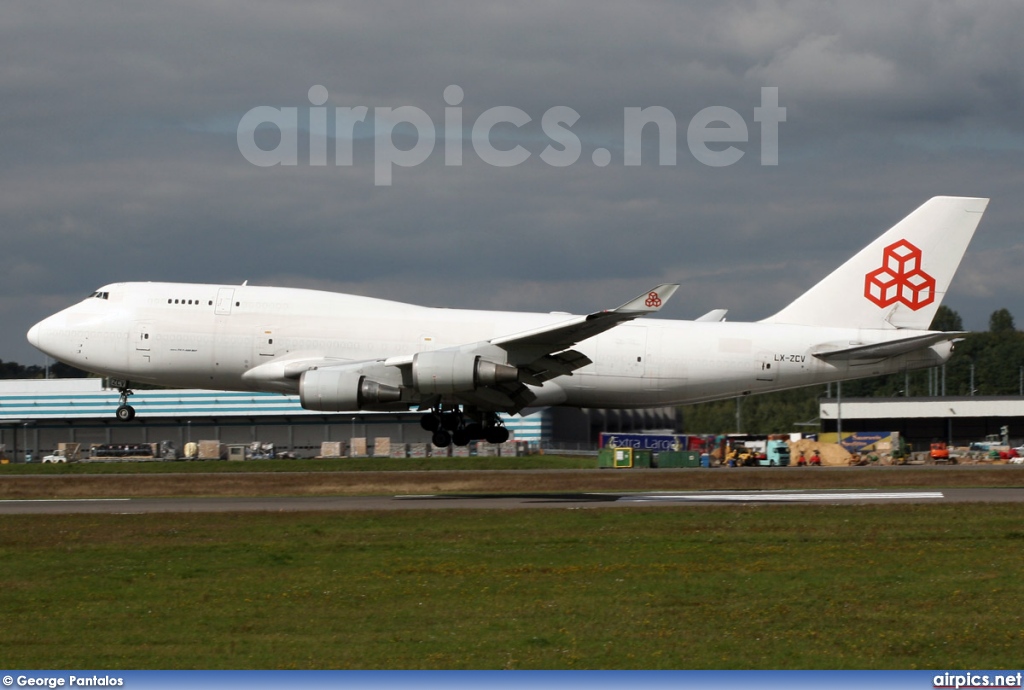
900,278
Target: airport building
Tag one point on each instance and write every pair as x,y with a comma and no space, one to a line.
920,421
36,415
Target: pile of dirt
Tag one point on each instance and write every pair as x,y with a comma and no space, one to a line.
832,454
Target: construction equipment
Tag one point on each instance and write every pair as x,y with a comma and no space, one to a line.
939,452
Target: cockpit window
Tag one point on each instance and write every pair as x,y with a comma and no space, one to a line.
100,295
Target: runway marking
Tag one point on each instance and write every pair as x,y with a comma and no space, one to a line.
61,500
793,496
781,497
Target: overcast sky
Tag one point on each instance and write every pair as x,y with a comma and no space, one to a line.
119,156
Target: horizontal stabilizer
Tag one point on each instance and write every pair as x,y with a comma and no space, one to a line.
888,349
714,315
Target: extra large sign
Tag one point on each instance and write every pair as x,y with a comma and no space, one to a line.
653,442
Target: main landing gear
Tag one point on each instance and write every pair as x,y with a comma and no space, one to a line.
458,426
125,412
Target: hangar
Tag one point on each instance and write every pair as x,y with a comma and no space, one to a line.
956,420
38,414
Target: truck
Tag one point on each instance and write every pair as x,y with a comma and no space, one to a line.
776,454
66,452
112,452
752,451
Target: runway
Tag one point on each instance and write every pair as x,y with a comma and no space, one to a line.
500,501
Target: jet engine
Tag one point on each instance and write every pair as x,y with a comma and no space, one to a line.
336,389
446,371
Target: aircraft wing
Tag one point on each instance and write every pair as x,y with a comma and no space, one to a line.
539,354
888,349
544,353
528,345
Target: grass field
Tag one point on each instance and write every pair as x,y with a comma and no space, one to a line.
883,586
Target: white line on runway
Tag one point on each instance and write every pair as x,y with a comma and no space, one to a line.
60,500
755,496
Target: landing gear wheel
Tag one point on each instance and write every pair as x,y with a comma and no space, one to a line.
441,438
125,412
430,422
474,431
461,437
496,434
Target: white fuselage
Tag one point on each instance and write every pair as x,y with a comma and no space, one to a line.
209,336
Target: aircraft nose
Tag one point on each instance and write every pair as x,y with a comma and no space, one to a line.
41,335
34,335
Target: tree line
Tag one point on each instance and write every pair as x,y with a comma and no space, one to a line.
57,370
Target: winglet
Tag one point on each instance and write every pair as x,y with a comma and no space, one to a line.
649,302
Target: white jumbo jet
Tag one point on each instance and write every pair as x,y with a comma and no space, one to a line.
460,367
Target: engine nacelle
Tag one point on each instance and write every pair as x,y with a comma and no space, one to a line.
444,371
337,390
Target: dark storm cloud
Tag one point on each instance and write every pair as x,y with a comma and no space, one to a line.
118,157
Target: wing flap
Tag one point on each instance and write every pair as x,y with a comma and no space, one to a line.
549,366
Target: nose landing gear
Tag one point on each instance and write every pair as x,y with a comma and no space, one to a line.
125,412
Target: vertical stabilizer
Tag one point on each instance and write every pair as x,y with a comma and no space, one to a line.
900,279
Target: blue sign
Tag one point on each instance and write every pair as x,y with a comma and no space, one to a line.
859,440
653,442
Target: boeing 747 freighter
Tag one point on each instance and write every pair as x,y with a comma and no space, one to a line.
461,367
